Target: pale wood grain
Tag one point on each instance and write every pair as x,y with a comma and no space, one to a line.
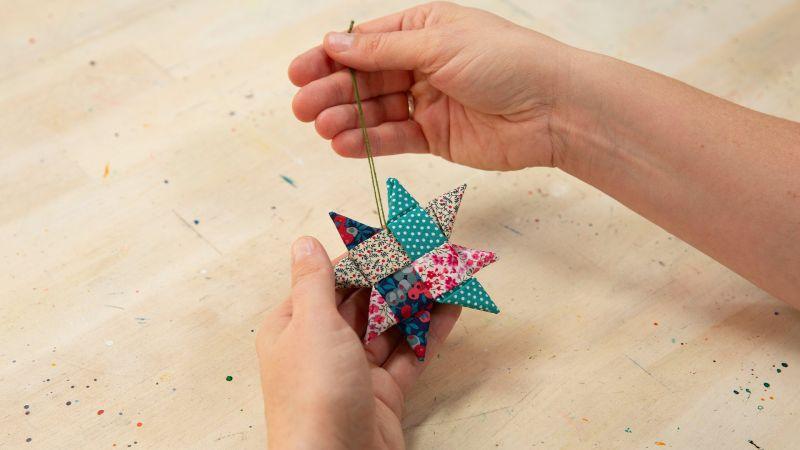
109,278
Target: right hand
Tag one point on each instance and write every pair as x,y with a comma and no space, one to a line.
485,89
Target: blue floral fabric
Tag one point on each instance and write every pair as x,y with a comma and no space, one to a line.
411,303
352,231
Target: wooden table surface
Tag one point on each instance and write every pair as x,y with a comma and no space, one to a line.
152,177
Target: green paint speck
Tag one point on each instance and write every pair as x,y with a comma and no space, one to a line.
760,407
747,390
784,365
778,370
766,385
229,378
673,340
628,430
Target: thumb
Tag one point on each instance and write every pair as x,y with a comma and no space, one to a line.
313,292
396,50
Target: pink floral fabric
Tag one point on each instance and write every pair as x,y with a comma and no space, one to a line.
380,316
448,265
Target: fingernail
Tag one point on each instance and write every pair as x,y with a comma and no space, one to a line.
340,42
302,248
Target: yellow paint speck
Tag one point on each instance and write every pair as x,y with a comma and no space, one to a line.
661,443
107,170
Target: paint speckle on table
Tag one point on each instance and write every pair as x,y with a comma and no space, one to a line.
753,443
513,230
655,323
106,170
68,403
28,439
100,412
288,181
628,430
197,221
229,378
661,443
766,385
139,424
784,364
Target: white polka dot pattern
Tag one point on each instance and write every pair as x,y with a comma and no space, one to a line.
400,201
471,295
417,232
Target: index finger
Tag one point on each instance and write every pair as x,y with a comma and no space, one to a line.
314,64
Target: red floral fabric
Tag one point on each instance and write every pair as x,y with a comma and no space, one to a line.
448,265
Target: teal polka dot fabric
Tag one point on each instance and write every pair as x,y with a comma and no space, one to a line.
416,232
400,201
471,295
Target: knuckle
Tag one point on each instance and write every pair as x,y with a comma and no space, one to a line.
322,126
375,43
375,140
308,269
342,89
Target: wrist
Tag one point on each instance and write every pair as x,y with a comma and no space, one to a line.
581,119
309,432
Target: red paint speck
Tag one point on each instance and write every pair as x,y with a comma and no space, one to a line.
31,40
139,424
100,412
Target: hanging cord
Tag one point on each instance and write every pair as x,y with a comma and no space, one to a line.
376,190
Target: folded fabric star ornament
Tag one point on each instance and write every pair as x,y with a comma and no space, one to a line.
410,265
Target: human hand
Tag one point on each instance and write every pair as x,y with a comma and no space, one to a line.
322,388
484,88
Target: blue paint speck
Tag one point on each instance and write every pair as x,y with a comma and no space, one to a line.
288,180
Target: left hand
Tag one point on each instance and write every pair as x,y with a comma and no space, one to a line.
322,388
